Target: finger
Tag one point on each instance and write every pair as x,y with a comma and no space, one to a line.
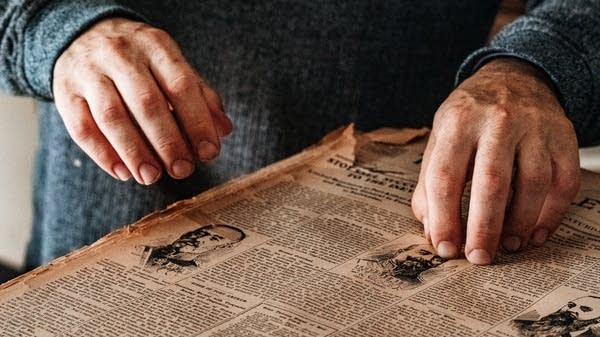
489,194
181,86
564,187
82,128
215,105
531,183
444,185
114,122
419,204
150,109
419,198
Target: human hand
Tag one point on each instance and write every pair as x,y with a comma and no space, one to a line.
130,100
504,127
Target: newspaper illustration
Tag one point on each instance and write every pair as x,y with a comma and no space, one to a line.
399,267
192,249
323,243
578,315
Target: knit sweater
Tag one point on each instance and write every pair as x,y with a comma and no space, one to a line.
289,71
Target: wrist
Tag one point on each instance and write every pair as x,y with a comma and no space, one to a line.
518,69
49,36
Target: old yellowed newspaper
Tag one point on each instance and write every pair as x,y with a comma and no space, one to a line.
321,244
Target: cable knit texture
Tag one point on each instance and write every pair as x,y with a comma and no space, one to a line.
289,71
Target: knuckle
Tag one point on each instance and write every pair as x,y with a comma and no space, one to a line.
485,233
442,185
68,104
453,116
160,46
110,115
168,144
116,43
132,151
502,118
150,104
87,67
200,128
116,47
182,85
462,99
101,154
81,130
452,128
493,183
155,35
165,58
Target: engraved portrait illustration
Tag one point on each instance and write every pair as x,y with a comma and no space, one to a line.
579,317
401,267
192,249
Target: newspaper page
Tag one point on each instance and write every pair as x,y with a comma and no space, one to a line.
323,243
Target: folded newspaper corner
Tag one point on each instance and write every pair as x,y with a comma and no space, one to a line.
323,243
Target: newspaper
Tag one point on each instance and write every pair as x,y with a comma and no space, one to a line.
323,243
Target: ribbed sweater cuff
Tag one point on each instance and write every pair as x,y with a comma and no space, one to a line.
51,31
552,53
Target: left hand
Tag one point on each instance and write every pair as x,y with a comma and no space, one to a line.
504,127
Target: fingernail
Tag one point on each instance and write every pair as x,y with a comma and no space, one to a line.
539,237
149,173
182,168
479,256
446,249
207,150
122,172
512,243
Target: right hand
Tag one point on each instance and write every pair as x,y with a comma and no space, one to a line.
131,101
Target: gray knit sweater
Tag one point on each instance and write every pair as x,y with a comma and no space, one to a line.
289,71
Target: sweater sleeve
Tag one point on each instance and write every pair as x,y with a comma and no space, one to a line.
562,37
33,34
